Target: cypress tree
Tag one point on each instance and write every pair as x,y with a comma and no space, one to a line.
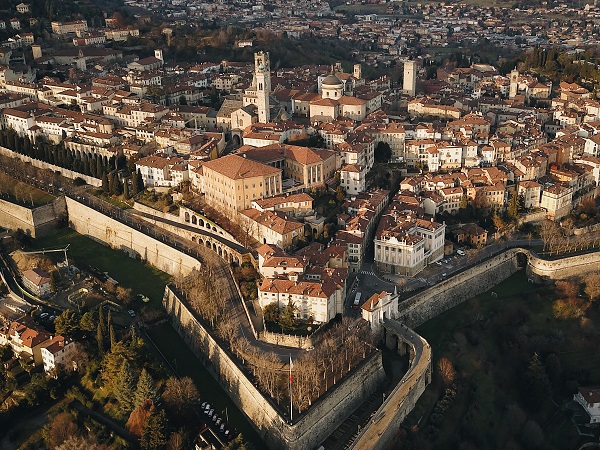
111,183
118,185
85,165
99,168
126,190
125,388
101,321
27,147
146,389
100,338
140,182
113,337
105,184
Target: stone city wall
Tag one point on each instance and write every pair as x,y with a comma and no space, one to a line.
563,267
44,165
314,426
37,222
220,243
433,301
136,244
287,340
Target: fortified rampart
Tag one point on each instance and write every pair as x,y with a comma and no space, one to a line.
44,165
563,267
136,244
314,426
37,222
473,281
379,433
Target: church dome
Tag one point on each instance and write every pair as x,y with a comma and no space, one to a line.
332,81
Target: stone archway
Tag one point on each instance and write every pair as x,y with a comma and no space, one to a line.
194,220
187,217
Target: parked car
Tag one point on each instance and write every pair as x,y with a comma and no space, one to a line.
131,312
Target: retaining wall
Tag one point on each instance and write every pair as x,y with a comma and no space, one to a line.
433,301
564,267
314,426
44,165
37,222
287,340
136,244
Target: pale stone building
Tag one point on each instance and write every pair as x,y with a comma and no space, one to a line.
232,183
404,245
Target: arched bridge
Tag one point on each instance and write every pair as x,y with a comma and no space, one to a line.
230,251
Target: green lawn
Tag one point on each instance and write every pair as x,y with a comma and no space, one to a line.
490,340
130,273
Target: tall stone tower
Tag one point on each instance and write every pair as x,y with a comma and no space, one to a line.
410,78
262,72
514,84
357,71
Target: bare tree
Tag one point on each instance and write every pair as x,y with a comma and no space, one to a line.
592,285
447,371
227,331
180,394
567,288
548,231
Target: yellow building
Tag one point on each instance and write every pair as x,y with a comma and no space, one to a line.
232,183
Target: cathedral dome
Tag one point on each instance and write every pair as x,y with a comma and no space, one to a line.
331,81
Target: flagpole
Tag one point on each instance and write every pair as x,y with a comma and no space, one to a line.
291,401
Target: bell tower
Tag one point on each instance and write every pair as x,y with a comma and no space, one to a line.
262,71
514,84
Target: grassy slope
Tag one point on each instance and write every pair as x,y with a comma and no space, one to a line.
140,277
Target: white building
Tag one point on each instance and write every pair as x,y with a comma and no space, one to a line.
378,307
37,281
58,351
557,200
320,299
353,179
589,399
162,170
405,245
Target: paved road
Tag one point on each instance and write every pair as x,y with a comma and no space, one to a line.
371,281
